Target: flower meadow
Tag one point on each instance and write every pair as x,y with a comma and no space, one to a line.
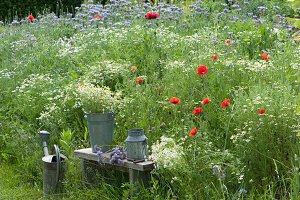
214,84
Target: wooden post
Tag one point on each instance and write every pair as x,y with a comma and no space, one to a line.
139,177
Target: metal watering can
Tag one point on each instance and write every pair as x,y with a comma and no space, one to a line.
54,168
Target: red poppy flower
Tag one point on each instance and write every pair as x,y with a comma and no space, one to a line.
227,42
152,15
225,103
133,68
98,16
261,111
202,70
214,57
138,80
175,100
31,17
197,110
193,132
205,101
265,56
158,89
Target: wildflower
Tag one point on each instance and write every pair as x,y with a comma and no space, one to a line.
265,56
152,15
175,100
193,132
261,111
133,121
276,7
98,16
216,170
242,191
214,57
85,141
225,103
149,131
227,42
198,110
162,125
158,89
133,68
138,80
31,17
205,101
202,70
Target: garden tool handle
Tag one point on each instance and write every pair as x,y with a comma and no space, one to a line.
58,164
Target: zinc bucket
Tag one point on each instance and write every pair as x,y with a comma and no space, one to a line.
101,130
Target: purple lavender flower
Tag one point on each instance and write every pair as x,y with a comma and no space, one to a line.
117,156
99,155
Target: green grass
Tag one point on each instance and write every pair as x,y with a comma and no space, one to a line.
235,149
13,186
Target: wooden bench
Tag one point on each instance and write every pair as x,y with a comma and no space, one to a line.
139,173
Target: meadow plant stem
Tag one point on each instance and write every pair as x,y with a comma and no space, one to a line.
227,130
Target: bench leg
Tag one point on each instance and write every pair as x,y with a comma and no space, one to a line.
90,172
139,177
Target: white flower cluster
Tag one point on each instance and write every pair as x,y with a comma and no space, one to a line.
5,73
106,70
167,153
177,65
34,83
97,99
49,112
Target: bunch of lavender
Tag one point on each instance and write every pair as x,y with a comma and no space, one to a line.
117,156
99,154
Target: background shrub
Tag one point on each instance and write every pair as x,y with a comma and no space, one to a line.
12,9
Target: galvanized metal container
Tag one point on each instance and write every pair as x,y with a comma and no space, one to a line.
136,144
54,167
53,174
101,130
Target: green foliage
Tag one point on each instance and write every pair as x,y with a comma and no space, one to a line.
235,149
66,142
11,9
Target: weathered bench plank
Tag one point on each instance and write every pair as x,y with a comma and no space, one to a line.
89,155
139,173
